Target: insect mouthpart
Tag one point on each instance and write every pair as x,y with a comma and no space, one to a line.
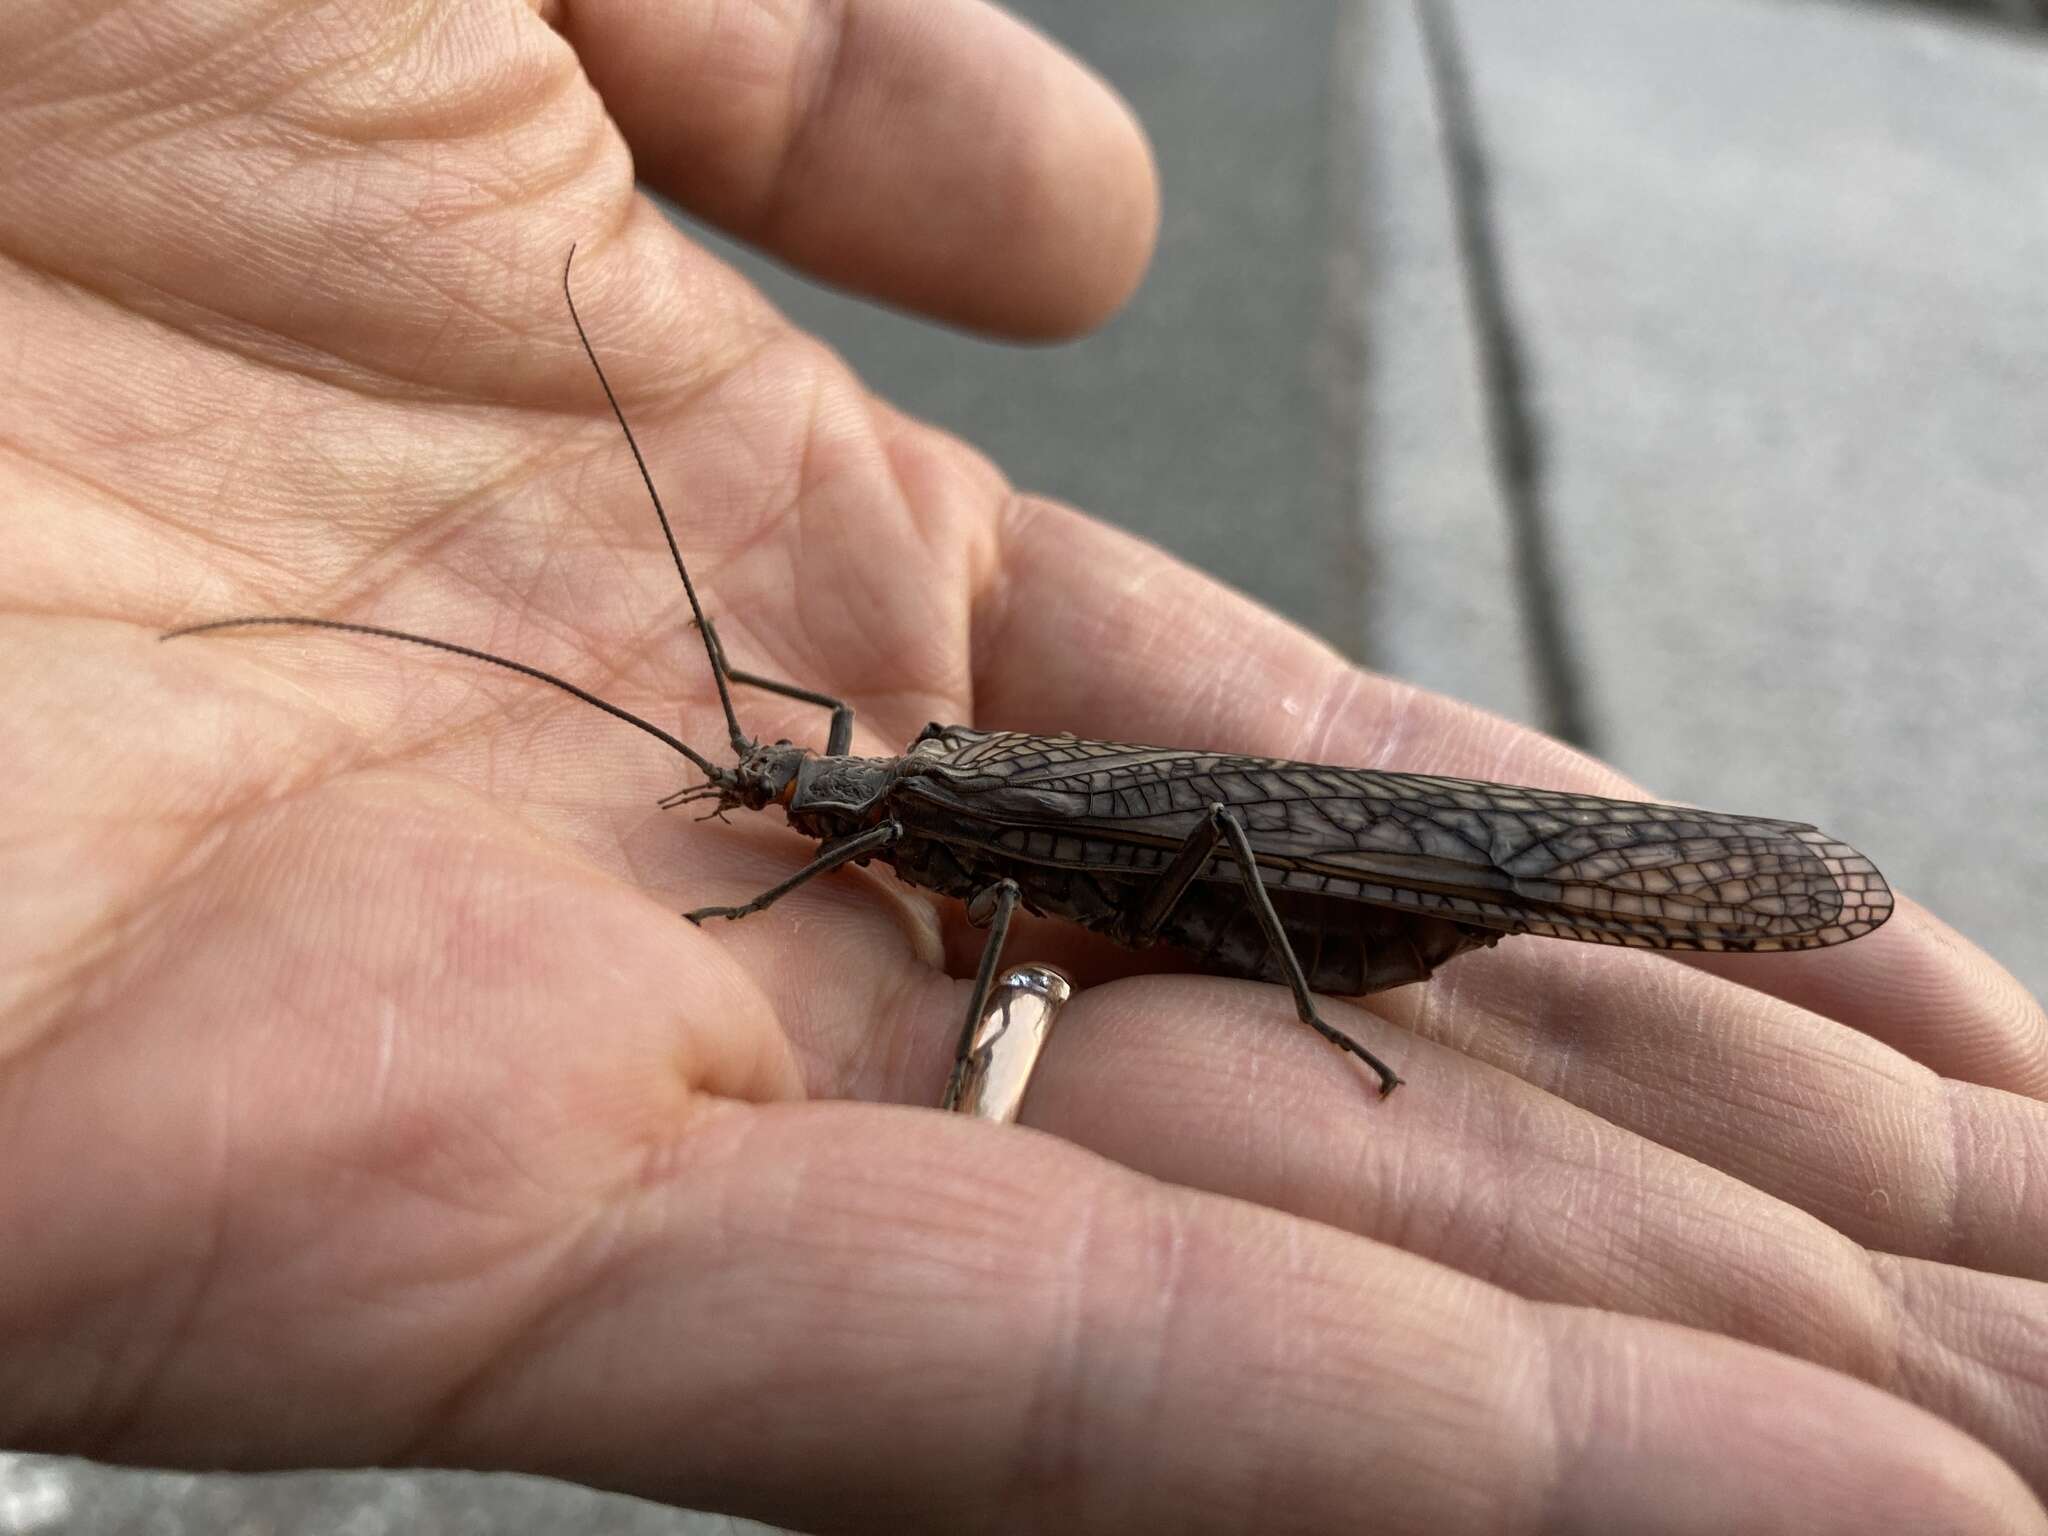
763,776
766,775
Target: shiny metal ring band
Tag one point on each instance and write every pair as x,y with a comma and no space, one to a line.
1022,1007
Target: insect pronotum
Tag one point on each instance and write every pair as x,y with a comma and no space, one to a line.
1344,880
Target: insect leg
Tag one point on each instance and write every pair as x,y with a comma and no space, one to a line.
840,735
994,906
1175,879
834,855
1224,822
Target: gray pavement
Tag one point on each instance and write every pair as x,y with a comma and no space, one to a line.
1778,272
1774,270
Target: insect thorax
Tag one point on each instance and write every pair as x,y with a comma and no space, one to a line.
832,796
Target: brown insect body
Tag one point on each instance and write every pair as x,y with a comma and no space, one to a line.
1377,878
968,824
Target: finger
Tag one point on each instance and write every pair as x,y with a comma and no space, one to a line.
1940,998
1089,630
1824,1118
1213,1085
934,153
932,1322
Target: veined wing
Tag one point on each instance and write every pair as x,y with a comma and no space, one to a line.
1495,856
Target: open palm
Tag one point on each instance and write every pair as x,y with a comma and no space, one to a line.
364,1098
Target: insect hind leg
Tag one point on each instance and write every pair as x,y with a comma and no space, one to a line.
1223,823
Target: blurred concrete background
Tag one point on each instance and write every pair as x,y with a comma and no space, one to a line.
1672,374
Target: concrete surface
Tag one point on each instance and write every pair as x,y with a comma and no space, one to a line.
1779,271
1774,272
50,1495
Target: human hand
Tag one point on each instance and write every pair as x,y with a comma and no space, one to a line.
365,1099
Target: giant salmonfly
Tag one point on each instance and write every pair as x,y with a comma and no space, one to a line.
1339,880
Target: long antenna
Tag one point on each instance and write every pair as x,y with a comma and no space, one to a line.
711,770
742,744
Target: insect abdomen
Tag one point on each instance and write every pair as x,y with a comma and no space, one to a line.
1345,947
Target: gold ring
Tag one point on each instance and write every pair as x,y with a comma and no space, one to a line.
1011,1033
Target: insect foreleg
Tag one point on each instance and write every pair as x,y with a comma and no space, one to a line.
1223,822
840,735
833,855
994,906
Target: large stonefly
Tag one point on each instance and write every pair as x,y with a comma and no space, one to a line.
1344,880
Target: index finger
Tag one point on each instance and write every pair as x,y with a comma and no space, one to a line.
938,154
1089,630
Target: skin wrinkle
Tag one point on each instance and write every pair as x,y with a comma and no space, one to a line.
778,664
1049,1454
1398,713
1911,1334
2025,1173
416,755
918,515
1158,1214
235,336
420,542
2018,1048
989,605
444,526
524,1336
898,1049
1504,1225
589,1244
444,531
810,482
1631,1159
444,114
1870,1358
814,82
350,374
185,83
1569,1424
182,1336
1932,1371
1263,1491
125,927
529,75
970,541
1313,735
1956,1166
67,471
33,63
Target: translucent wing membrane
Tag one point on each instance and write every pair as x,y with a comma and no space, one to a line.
1491,855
